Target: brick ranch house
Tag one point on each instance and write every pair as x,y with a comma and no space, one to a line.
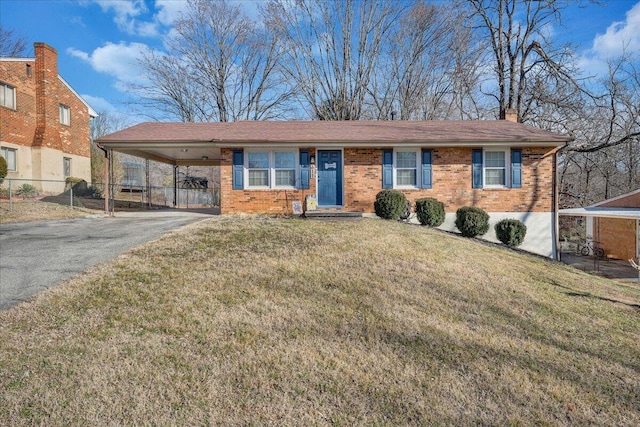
503,167
44,123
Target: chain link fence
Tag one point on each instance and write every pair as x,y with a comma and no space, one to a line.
33,194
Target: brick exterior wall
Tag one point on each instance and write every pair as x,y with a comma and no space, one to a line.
18,126
618,237
35,122
451,184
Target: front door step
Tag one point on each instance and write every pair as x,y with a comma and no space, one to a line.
333,215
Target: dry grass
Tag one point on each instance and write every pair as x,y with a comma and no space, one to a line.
37,210
254,321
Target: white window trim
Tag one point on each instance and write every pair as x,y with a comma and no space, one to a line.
272,169
68,115
418,168
4,87
507,167
15,158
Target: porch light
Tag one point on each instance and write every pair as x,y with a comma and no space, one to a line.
184,150
312,159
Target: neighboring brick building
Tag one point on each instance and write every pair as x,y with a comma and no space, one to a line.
614,225
44,123
501,166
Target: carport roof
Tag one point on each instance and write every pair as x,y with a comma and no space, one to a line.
200,143
594,211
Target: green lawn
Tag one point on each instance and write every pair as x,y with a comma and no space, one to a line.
254,321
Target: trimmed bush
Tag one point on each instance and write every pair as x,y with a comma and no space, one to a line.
3,169
472,221
390,204
430,212
511,232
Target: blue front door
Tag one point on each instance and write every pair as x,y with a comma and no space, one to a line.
329,177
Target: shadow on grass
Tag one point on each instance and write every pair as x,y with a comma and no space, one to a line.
573,293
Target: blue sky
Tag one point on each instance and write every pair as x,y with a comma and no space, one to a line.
99,41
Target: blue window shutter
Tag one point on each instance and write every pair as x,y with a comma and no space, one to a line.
426,168
304,169
387,169
238,165
516,168
476,160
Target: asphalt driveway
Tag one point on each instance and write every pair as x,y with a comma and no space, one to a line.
38,255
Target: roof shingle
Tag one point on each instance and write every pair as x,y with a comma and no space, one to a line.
342,132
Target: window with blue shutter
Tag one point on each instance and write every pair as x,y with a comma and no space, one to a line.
304,169
427,180
387,169
238,164
476,161
516,168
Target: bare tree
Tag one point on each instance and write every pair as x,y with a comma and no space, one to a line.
102,125
220,67
332,50
520,51
12,43
604,159
431,67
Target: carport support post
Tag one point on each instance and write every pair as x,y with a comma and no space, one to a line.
111,188
147,182
105,191
175,186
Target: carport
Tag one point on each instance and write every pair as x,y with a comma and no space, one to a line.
178,145
611,239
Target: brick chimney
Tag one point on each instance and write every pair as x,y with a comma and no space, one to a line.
47,133
509,114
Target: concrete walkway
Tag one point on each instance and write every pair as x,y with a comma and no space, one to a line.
38,255
612,268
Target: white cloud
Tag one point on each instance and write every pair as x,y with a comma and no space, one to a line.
125,13
169,11
133,17
118,60
620,36
99,104
78,54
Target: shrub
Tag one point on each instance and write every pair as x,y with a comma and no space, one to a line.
27,190
73,180
472,221
79,186
390,204
511,232
3,169
430,212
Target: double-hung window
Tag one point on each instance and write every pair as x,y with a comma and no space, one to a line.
495,168
258,168
271,169
285,168
7,96
406,168
65,115
9,155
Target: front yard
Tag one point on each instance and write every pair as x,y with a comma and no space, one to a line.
253,321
